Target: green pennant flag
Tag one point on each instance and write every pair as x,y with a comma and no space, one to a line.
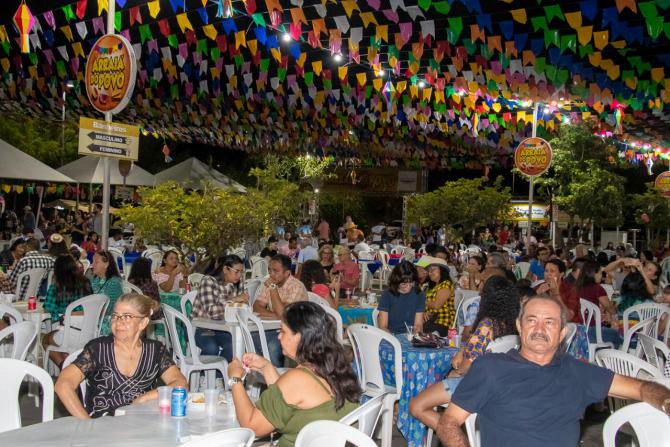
145,33
173,41
239,60
550,71
569,42
258,19
540,64
454,29
627,74
368,92
393,51
539,23
69,14
655,26
215,54
484,51
551,37
33,58
327,84
6,46
374,43
553,11
470,46
648,10
585,50
202,47
309,78
562,76
663,4
60,68
117,21
281,74
504,61
174,91
424,4
444,7
265,64
153,83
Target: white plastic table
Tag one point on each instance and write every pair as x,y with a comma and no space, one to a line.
37,316
234,329
140,425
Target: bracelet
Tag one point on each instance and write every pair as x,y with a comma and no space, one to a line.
664,405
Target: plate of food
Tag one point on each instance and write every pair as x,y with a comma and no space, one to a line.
196,401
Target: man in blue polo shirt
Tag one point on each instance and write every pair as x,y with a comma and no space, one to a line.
536,396
536,270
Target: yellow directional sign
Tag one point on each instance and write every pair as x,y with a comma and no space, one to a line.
105,139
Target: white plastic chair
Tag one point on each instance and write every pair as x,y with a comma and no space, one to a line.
383,272
463,294
35,276
129,287
365,341
67,362
117,253
521,269
233,437
253,286
648,310
333,313
155,256
331,434
243,318
570,336
591,312
503,344
194,279
375,317
191,361
11,312
12,373
651,426
314,298
94,307
609,289
651,349
187,298
367,415
626,365
462,310
646,327
259,267
472,430
86,264
23,336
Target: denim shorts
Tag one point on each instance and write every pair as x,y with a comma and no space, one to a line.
451,383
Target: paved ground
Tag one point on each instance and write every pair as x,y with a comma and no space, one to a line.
591,425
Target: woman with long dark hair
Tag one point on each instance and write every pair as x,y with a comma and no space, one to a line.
106,281
498,309
313,276
403,303
588,287
69,284
171,275
440,309
224,285
140,276
322,387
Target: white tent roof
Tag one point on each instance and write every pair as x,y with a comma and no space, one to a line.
89,169
192,172
16,164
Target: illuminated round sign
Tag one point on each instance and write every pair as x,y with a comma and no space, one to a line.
110,73
662,183
533,156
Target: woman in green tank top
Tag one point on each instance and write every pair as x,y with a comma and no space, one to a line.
322,387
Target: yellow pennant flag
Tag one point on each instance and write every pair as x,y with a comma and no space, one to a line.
574,19
377,83
67,31
657,74
78,50
183,22
601,39
210,31
241,39
439,96
276,53
3,33
215,73
401,86
317,66
584,34
32,70
362,78
382,33
233,81
154,8
349,6
519,15
102,6
342,72
368,18
253,46
496,107
302,59
414,91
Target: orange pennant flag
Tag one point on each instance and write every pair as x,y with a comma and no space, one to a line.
368,18
584,34
476,33
362,78
319,26
657,74
349,6
317,66
519,15
601,39
493,43
382,33
298,16
67,31
622,4
574,19
273,4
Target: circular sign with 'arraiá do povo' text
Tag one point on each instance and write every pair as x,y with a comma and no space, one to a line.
533,156
110,73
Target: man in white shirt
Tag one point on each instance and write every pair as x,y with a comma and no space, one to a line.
377,232
115,241
361,246
307,253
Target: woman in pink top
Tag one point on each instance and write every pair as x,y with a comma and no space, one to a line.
171,274
347,268
315,280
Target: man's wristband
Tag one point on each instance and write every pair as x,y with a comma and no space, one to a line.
665,406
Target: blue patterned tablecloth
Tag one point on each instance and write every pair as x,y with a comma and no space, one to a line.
421,367
351,315
579,348
373,266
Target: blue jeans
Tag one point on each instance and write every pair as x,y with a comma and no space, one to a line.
609,335
214,343
274,348
451,383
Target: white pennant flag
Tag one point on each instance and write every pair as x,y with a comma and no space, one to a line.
428,28
356,35
415,12
81,29
342,23
63,52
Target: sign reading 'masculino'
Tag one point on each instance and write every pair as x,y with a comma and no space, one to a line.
533,156
110,73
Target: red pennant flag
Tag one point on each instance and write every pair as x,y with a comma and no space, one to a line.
81,8
164,26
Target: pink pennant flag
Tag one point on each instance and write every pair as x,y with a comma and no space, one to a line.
391,15
98,25
291,81
374,4
144,76
49,55
49,18
74,64
246,67
126,33
189,89
183,50
219,64
152,45
405,31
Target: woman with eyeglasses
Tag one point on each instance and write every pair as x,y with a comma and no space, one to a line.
403,304
122,368
214,292
106,281
327,257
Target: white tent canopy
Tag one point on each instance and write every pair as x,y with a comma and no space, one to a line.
16,164
89,169
192,172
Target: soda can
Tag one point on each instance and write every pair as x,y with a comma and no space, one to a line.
452,334
32,303
178,402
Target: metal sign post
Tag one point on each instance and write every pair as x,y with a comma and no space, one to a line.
531,187
111,12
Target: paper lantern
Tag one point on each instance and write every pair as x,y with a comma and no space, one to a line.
24,21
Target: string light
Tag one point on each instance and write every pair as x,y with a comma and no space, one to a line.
422,84
337,57
286,37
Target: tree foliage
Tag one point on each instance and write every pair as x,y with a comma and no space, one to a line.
467,203
656,207
40,137
581,180
283,200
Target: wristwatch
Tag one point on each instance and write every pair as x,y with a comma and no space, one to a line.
233,381
272,286
665,406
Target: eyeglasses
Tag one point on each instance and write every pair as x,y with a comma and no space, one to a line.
123,317
240,271
406,283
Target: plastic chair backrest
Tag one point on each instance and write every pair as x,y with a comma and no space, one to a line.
12,373
259,267
118,256
194,279
375,317
645,311
651,349
570,336
234,437
472,429
94,307
646,327
609,289
366,415
464,294
86,264
6,309
523,268
23,335
253,286
129,287
336,316
155,256
331,434
503,344
172,316
365,341
243,318
187,298
651,426
68,360
365,255
384,257
35,276
591,312
314,298
462,310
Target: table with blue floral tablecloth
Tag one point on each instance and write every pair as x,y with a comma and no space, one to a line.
351,315
421,367
579,348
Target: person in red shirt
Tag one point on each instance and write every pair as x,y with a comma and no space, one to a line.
554,286
350,272
503,235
